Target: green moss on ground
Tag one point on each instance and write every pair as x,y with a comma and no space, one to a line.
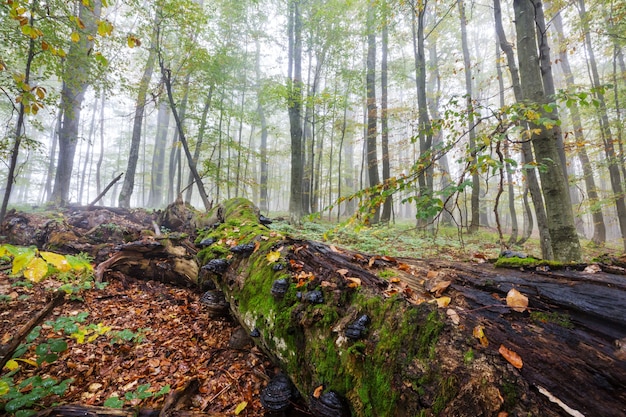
529,262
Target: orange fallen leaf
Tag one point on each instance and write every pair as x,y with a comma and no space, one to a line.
395,280
443,301
389,259
432,274
334,249
318,391
516,300
440,287
403,267
511,357
353,282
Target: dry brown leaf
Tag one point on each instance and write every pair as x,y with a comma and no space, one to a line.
432,274
353,282
511,357
334,249
403,267
516,300
359,257
503,414
326,284
592,269
391,292
389,259
394,280
343,272
372,260
454,316
440,287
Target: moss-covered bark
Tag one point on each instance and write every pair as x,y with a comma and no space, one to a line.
395,370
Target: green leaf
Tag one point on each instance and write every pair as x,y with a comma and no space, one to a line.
57,345
114,402
242,405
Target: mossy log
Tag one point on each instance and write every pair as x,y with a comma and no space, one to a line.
415,355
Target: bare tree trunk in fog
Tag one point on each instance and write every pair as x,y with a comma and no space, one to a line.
199,142
372,113
155,197
140,106
75,83
599,229
384,122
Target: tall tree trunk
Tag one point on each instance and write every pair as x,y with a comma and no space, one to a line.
532,182
76,79
505,149
181,133
564,240
89,152
425,176
263,203
294,108
101,156
54,139
599,229
200,141
372,114
175,162
19,127
617,182
157,174
140,105
384,122
474,200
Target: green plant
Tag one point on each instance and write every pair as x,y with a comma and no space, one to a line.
127,335
19,399
141,393
68,324
25,284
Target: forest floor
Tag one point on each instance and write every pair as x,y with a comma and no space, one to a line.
131,342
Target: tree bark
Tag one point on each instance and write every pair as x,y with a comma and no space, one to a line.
76,79
155,197
372,113
384,118
564,239
140,105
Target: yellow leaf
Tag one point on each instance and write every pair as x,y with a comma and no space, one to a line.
511,357
4,387
21,260
242,405
516,300
12,365
443,301
479,334
75,37
36,270
28,361
273,257
56,260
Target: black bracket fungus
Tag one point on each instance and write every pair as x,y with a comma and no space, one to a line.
279,288
278,267
264,220
206,242
314,297
255,333
278,393
358,329
216,266
216,303
244,249
329,404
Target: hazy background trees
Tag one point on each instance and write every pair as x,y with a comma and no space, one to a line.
426,110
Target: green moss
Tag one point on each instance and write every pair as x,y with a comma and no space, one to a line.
561,319
469,356
448,389
510,395
387,273
529,262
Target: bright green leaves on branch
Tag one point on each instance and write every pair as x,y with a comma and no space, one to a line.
35,265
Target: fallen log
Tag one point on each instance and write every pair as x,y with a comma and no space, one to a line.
434,340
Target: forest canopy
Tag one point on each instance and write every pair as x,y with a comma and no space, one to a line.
473,114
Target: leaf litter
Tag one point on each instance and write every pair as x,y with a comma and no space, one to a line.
170,341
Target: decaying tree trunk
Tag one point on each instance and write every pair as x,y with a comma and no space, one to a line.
435,339
413,354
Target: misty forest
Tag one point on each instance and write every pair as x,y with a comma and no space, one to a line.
332,208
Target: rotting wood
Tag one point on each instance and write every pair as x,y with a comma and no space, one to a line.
572,336
58,298
78,410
